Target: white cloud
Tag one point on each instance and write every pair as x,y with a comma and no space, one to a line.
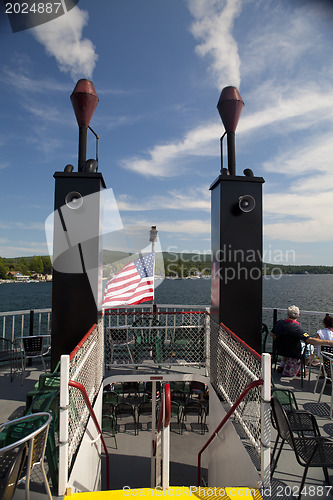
305,159
194,198
214,21
170,159
183,226
299,217
62,39
286,111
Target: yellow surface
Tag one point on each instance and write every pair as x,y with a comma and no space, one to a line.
177,491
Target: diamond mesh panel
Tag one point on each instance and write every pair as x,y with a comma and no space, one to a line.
233,366
86,367
163,338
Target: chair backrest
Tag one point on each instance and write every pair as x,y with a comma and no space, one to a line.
174,409
145,408
118,337
110,397
282,422
178,396
32,346
328,363
286,398
288,345
31,429
193,408
11,464
124,409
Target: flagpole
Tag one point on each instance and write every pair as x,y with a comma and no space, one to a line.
153,238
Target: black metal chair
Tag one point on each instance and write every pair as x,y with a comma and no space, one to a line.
144,408
6,354
326,366
175,411
121,340
299,422
32,348
290,347
31,430
179,397
193,408
125,410
108,415
12,459
310,451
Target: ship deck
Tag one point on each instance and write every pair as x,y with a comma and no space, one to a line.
129,463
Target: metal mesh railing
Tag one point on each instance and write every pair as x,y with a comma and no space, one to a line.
233,366
163,338
86,368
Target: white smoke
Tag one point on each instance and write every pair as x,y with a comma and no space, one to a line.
62,39
213,25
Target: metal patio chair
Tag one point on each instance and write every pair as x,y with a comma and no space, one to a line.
125,410
179,396
326,364
310,451
301,422
144,408
6,353
12,459
32,348
120,339
32,431
193,408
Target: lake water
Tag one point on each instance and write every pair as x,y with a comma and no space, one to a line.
307,291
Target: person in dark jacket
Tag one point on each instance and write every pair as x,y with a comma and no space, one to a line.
291,363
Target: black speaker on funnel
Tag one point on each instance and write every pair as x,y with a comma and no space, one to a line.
236,286
77,259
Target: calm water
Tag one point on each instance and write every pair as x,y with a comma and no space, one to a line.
308,292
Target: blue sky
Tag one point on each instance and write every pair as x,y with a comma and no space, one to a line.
158,69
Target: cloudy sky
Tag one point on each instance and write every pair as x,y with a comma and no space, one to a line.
158,69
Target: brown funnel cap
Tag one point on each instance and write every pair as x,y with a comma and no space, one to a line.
84,101
230,106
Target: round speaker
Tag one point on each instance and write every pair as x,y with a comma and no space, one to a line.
246,203
74,200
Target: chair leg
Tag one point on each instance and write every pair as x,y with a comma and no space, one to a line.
43,363
274,448
277,458
47,486
23,370
303,481
327,479
322,389
316,384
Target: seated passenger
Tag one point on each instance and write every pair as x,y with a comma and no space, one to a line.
290,365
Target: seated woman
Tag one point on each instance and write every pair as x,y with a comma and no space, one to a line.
290,326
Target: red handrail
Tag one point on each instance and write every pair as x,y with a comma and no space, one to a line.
80,344
256,383
81,388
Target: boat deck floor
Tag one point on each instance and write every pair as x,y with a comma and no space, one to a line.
130,462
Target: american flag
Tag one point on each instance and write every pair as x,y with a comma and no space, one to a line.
132,285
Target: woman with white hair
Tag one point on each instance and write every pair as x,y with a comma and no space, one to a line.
291,363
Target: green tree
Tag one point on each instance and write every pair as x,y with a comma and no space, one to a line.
36,264
2,269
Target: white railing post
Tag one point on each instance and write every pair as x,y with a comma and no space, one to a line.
63,424
165,449
266,420
153,435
